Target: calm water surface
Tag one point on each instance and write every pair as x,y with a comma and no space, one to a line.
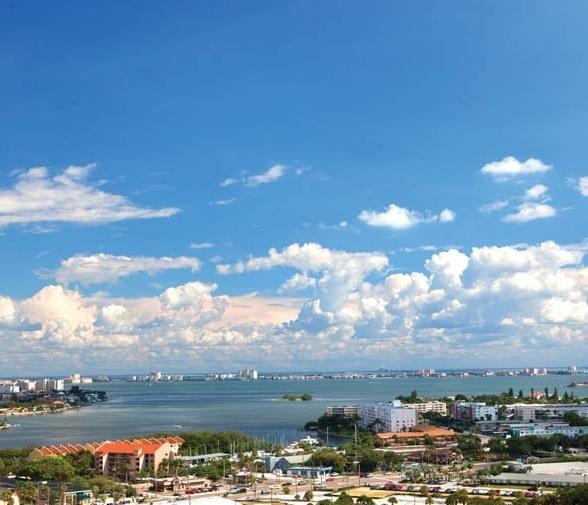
252,407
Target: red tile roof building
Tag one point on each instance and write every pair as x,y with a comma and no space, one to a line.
120,457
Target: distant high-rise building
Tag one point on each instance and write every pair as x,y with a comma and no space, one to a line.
55,385
248,373
155,376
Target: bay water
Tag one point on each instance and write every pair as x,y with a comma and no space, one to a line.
255,407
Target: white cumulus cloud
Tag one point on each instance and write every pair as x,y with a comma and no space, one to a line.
511,167
530,211
396,217
67,197
536,192
581,185
476,303
100,268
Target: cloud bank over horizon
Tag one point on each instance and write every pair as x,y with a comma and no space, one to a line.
349,307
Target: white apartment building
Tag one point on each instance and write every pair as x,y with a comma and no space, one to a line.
433,406
387,417
474,411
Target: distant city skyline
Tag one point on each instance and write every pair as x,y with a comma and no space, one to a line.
292,186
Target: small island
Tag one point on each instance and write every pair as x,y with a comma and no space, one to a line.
291,397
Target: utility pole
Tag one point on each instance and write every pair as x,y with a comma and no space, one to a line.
356,461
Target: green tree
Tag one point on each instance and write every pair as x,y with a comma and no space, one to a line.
498,446
344,499
470,446
393,461
82,462
328,457
452,499
308,495
573,496
26,492
49,468
365,500
462,496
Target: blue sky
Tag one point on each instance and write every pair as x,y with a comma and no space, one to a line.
342,108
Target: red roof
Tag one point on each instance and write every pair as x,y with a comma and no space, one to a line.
144,445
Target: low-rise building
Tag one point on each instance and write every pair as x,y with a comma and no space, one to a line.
537,479
282,463
417,434
527,412
310,472
199,459
546,429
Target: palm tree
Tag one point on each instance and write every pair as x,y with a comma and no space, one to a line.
392,500
452,499
462,496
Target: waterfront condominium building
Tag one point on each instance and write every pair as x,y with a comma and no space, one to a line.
130,457
387,417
